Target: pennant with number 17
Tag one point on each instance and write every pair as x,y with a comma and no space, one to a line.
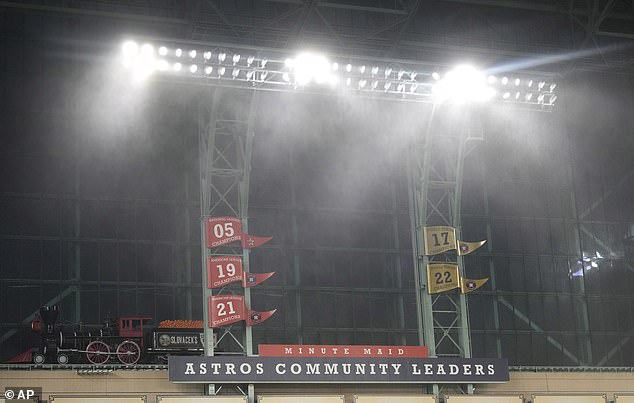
439,239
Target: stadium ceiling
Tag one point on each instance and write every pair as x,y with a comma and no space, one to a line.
596,35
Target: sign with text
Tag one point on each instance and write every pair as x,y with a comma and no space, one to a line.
226,369
439,239
223,270
227,309
225,230
309,350
442,277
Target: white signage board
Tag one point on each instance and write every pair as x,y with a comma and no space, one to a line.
97,399
201,399
302,398
484,399
571,398
393,399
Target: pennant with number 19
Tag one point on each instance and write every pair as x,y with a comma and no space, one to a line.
223,270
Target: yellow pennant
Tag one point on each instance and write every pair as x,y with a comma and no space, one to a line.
442,277
439,239
464,248
467,285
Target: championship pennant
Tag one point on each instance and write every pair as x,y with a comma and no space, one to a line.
439,239
228,309
445,276
225,230
223,270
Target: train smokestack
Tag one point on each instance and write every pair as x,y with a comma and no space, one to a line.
48,315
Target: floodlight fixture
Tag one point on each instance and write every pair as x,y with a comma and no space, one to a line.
309,67
404,79
463,84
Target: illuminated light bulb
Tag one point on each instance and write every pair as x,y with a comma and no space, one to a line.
505,80
236,58
375,84
178,52
387,85
193,68
250,74
413,88
208,70
235,73
540,99
530,83
162,51
222,70
375,70
435,75
348,68
553,99
540,85
178,67
263,63
388,71
506,95
362,69
222,56
362,83
400,87
401,74
491,79
517,82
147,49
130,48
162,65
289,63
348,81
529,96
552,87
335,66
286,77
517,95
250,60
413,75
192,53
264,75
207,55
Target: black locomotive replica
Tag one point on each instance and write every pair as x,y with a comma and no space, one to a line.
127,340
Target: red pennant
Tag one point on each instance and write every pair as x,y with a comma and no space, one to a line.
222,231
225,310
250,241
225,230
253,279
255,318
223,270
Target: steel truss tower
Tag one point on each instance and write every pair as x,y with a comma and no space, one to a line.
225,146
435,185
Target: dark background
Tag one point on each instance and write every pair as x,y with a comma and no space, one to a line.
101,177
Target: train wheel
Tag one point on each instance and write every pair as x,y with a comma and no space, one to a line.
128,352
97,352
62,359
38,358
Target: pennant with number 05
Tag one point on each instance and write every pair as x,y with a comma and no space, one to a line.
225,230
442,277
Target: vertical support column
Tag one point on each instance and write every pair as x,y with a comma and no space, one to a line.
436,176
226,133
